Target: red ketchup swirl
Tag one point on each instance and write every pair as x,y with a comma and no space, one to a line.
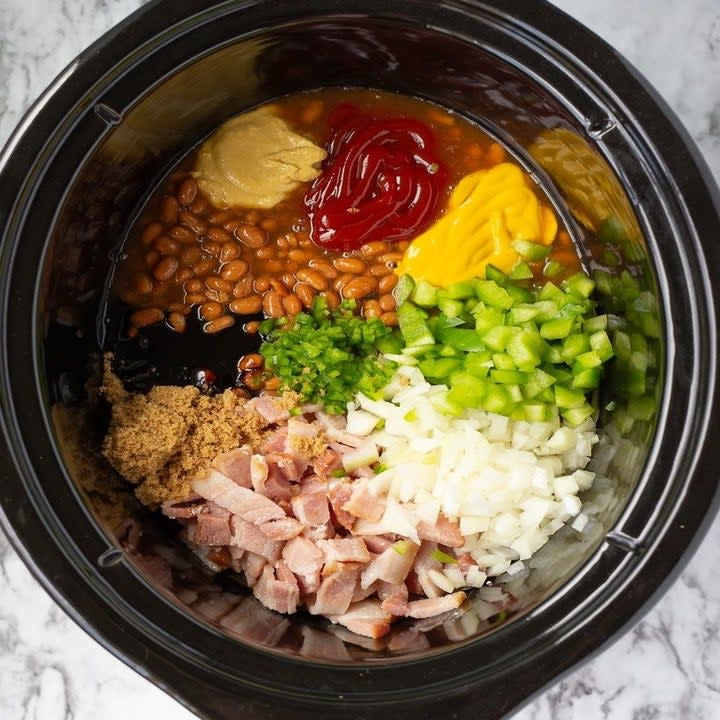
380,181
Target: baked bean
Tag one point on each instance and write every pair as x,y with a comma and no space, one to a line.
495,154
299,256
219,235
252,216
219,296
210,310
305,293
251,235
212,248
165,246
169,209
246,306
221,323
232,225
272,304
183,274
379,269
389,318
251,327
166,268
372,249
282,242
177,321
402,245
292,304
195,298
178,307
251,361
349,265
342,281
272,384
387,283
269,224
229,251
143,284
311,112
199,205
360,287
244,287
194,286
313,278
205,266
221,216
302,239
191,256
265,253
234,270
274,267
218,284
262,284
182,234
331,298
187,191
151,232
289,280
146,316
252,379
390,259
151,258
192,221
277,285
324,267
387,302
371,309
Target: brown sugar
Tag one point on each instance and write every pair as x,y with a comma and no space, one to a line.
165,439
308,447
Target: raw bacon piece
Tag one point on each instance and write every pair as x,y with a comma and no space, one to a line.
311,508
269,408
392,566
281,595
336,591
352,549
235,464
250,537
282,529
430,607
444,532
364,504
338,496
366,617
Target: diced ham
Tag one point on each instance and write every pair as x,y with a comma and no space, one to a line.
250,537
282,529
364,504
336,591
391,566
269,408
366,617
321,532
377,543
268,479
249,505
444,532
280,595
252,566
305,559
311,508
352,549
338,496
424,562
361,593
430,607
326,463
187,508
211,528
313,483
274,442
235,464
394,598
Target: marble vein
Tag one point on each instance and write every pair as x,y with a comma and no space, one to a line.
666,667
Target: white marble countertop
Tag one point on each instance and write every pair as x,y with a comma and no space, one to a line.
667,666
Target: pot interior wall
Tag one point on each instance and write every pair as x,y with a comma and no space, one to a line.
133,135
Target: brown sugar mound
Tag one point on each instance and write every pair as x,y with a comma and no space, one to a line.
163,440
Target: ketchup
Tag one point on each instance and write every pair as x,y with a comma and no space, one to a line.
380,181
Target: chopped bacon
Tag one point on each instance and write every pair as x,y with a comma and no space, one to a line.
235,464
269,408
336,591
281,529
366,617
274,442
303,557
249,505
291,467
281,595
364,504
187,508
252,566
311,509
444,532
352,549
250,537
338,496
391,566
430,607
300,427
424,562
377,543
394,598
326,463
465,561
211,528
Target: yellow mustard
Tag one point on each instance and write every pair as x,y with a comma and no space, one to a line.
487,211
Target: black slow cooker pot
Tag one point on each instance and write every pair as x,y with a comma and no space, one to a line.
618,166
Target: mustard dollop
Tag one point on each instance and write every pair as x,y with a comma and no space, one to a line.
254,160
487,211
